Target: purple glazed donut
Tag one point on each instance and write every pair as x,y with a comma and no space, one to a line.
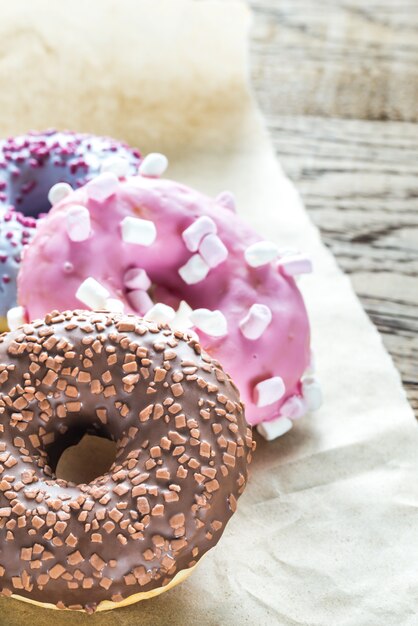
30,165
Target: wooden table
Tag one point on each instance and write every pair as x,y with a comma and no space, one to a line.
338,83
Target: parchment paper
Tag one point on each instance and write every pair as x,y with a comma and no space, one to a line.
326,533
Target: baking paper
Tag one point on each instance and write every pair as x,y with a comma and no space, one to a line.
326,532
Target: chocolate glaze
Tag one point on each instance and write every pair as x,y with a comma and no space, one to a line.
183,447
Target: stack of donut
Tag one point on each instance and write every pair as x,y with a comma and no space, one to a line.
160,271
36,167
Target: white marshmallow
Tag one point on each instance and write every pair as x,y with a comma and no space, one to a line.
92,294
254,324
58,192
182,319
274,428
114,305
312,393
139,301
213,250
310,370
227,200
293,265
212,323
116,165
102,186
160,313
287,252
269,391
138,231
77,222
294,408
16,317
154,164
136,278
261,253
195,270
194,233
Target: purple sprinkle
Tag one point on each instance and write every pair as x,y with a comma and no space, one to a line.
28,187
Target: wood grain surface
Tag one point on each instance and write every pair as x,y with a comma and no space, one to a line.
338,58
338,83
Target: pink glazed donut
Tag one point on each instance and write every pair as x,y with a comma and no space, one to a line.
167,252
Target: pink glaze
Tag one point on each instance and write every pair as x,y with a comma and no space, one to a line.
54,267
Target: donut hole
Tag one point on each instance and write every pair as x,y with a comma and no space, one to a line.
88,459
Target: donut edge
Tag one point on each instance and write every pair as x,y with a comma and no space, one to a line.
108,605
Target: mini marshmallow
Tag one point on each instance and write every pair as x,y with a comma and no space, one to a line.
261,253
274,428
138,231
288,252
254,324
227,200
116,165
312,393
139,301
194,233
160,313
212,250
92,294
136,278
77,221
294,408
195,270
269,391
293,265
154,164
212,323
102,186
114,305
16,317
58,192
182,319
310,370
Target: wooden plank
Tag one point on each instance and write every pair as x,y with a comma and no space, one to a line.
337,58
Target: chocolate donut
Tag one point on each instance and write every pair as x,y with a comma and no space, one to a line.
183,447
